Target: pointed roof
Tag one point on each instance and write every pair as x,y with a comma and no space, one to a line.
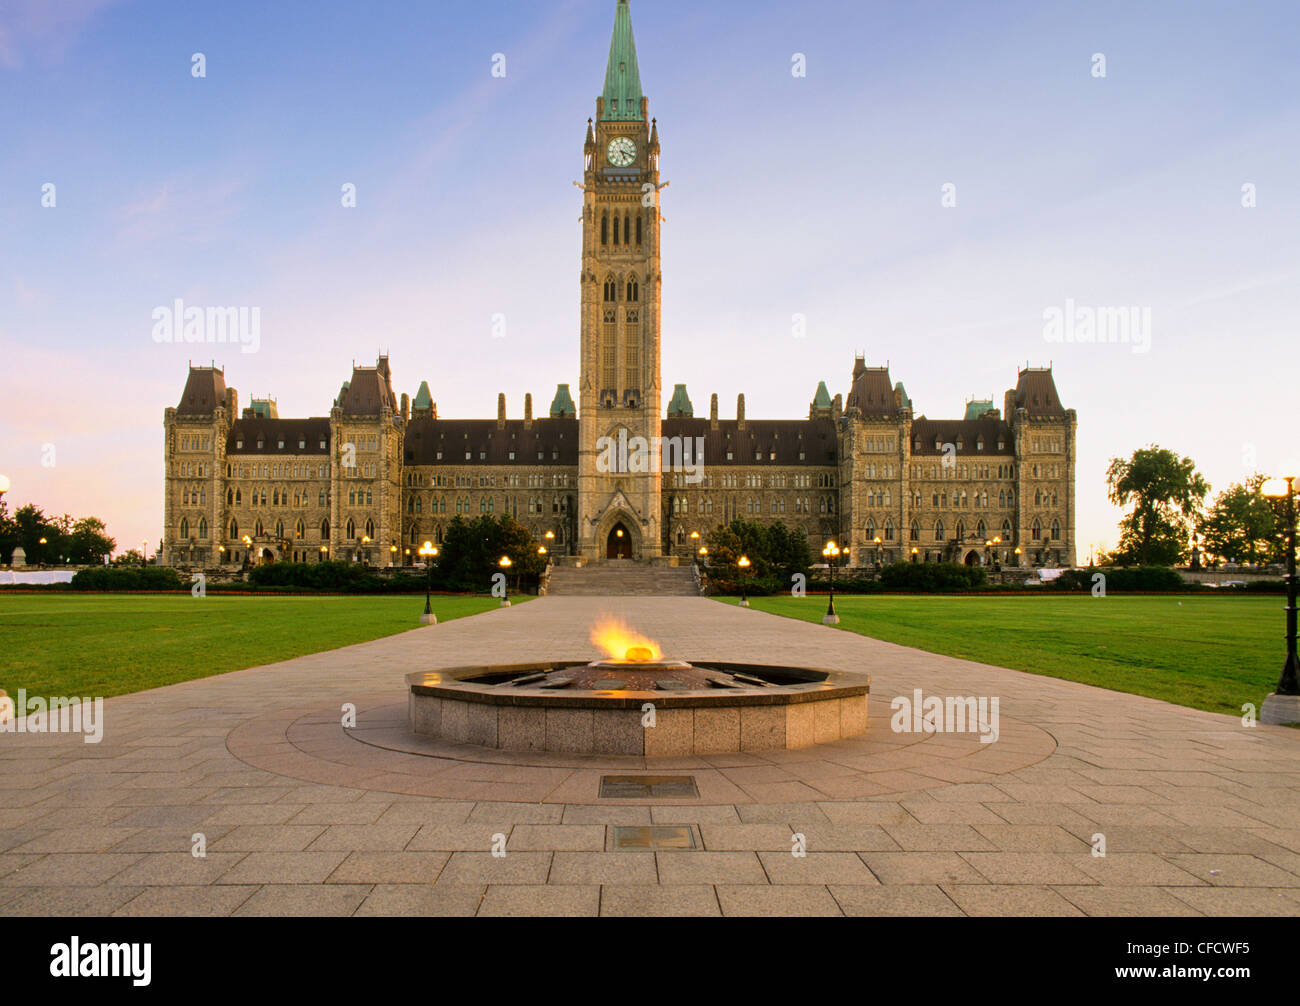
975,409
563,405
622,77
423,399
822,400
680,406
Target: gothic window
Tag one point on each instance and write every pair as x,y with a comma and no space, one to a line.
632,352
325,530
638,231
611,290
633,290
627,230
370,529
259,531
981,531
889,530
1037,532
234,529
938,530
279,529
617,229
1056,531
352,530
961,530
871,530
604,228
185,527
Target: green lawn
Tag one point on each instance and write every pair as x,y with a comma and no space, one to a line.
1213,653
104,644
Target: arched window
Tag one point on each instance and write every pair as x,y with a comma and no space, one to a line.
938,530
259,530
237,497
370,529
617,229
627,229
1006,530
279,529
889,530
604,228
981,531
915,531
298,529
234,529
1056,531
633,290
185,527
638,231
230,497
611,290
203,529
352,529
871,529
410,505
325,530
1037,532
961,530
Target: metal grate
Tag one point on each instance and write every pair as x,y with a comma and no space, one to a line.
638,787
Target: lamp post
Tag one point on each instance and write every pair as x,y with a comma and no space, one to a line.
248,545
876,556
505,565
832,554
324,553
392,555
427,552
1283,706
144,552
365,555
743,564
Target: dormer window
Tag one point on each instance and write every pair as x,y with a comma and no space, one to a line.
239,445
302,443
281,443
979,444
260,443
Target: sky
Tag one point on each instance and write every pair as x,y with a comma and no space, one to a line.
819,195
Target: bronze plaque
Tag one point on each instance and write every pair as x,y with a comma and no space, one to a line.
634,837
641,787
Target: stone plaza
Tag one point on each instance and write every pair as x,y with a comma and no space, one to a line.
297,814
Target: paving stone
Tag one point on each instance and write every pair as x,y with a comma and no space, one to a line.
179,900
710,868
761,901
286,900
910,900
408,900
616,868
816,868
390,868
1019,900
516,900
465,868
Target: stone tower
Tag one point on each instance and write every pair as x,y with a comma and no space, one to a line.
619,393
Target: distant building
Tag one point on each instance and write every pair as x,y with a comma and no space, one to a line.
377,477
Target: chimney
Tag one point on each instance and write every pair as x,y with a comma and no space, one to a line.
406,407
713,412
528,411
837,408
501,412
740,412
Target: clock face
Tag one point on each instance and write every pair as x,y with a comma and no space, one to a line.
622,152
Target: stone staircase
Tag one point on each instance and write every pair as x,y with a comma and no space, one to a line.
622,579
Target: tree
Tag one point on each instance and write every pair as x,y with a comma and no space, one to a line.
89,542
1166,492
1241,526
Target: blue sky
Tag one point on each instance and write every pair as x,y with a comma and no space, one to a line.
817,196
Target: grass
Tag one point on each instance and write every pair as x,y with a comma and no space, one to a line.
1212,653
104,644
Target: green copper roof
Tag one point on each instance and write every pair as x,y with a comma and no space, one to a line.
563,405
680,406
822,400
622,78
976,409
423,400
901,392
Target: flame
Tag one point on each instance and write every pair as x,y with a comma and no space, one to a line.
622,643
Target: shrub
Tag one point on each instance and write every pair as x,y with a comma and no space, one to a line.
128,578
930,577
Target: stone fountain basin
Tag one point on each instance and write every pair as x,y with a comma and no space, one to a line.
795,707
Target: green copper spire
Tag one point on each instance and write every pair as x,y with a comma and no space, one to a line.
423,399
562,407
622,78
680,407
822,400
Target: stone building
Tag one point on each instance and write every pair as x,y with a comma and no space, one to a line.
615,476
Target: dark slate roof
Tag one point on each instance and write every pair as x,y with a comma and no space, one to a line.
814,437
271,431
1036,393
425,437
872,393
970,430
205,391
370,389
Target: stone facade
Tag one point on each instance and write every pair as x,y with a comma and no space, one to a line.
377,477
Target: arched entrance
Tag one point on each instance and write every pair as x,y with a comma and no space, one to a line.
973,558
619,544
